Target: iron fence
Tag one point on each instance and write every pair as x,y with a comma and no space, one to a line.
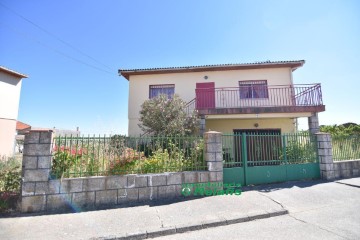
268,149
346,147
114,155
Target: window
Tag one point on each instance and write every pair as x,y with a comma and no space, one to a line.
156,90
253,89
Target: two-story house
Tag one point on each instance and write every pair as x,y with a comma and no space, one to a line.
251,97
10,87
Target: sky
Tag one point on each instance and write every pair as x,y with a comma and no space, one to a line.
72,50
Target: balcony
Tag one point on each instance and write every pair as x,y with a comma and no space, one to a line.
258,99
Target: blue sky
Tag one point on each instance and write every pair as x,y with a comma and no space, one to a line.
64,91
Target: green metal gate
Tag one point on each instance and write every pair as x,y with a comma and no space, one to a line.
268,157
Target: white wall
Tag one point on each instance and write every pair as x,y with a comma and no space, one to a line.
10,87
7,137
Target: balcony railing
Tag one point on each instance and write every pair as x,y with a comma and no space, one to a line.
257,97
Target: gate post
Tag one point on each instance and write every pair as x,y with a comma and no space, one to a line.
36,166
324,147
213,155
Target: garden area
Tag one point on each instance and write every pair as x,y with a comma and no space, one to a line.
117,155
345,141
346,147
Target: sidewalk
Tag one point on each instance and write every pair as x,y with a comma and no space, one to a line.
145,221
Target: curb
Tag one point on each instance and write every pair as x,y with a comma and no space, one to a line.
187,228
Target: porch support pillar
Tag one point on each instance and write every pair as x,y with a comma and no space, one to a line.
202,125
313,122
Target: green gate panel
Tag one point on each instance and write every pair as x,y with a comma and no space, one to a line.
234,175
303,171
265,174
259,153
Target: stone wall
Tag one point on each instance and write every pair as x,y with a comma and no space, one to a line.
329,169
347,169
40,193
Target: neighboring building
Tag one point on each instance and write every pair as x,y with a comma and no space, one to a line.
21,130
252,97
66,132
10,87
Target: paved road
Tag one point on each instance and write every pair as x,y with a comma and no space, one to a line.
316,211
138,220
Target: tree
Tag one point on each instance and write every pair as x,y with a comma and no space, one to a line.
345,129
164,116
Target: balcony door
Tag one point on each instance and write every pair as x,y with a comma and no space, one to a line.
205,95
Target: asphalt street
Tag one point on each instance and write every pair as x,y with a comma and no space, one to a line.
317,210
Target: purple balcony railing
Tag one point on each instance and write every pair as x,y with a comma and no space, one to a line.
257,96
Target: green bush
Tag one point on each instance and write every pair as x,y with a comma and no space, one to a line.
10,175
299,152
127,162
63,161
10,182
176,157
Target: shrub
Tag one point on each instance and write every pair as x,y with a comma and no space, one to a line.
175,156
10,176
163,116
127,162
299,152
63,160
10,182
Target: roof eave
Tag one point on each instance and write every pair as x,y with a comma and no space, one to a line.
12,72
293,65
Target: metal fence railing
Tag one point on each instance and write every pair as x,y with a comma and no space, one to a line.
101,156
268,149
263,96
346,147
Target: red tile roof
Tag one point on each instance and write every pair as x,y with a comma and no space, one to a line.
20,126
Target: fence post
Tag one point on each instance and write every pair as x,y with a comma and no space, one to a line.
244,156
213,155
324,148
36,166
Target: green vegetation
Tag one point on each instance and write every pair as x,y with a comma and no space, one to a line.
343,130
299,150
345,140
161,116
78,157
10,181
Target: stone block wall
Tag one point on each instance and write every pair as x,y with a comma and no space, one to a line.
36,168
347,169
325,156
40,193
329,169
